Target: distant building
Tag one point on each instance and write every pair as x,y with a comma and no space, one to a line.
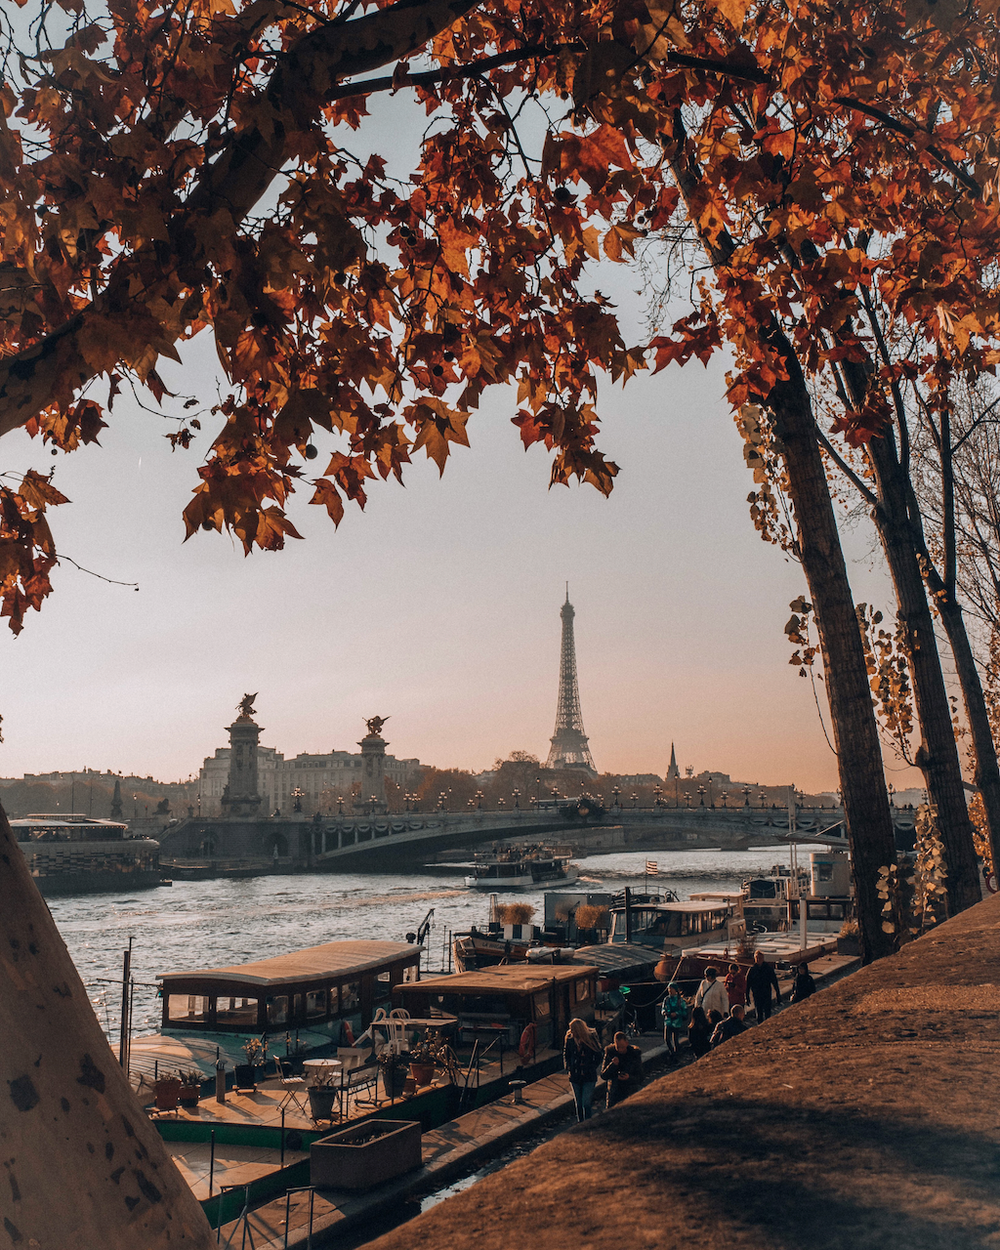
569,748
278,778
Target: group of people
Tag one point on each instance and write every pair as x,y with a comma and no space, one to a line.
720,1005
717,1014
620,1064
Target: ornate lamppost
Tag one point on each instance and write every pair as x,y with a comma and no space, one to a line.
657,796
687,797
701,796
616,795
746,796
516,796
479,799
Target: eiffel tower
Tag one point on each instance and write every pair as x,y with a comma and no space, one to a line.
569,742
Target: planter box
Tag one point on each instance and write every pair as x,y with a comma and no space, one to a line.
848,946
365,1155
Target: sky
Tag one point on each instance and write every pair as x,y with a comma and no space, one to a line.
438,607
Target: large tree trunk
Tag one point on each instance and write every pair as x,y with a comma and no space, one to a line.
859,751
937,757
84,1167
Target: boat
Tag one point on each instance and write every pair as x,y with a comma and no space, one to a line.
669,924
521,868
324,996
68,853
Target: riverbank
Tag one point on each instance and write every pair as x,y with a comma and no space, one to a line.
863,1119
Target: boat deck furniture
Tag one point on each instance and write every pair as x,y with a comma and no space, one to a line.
294,1086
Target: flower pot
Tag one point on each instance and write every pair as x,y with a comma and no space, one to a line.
393,1080
189,1095
245,1076
322,1100
422,1073
166,1092
365,1154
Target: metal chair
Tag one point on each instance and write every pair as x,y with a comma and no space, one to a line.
294,1086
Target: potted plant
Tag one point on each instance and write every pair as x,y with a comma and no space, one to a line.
849,939
245,1076
190,1091
425,1055
395,1069
166,1091
323,1089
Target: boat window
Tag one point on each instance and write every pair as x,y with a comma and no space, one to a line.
411,973
315,1004
298,1006
543,1008
582,991
277,1009
236,1011
187,1009
350,996
763,889
825,870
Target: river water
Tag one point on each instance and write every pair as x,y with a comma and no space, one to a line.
205,924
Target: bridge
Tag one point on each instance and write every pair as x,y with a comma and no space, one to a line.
382,843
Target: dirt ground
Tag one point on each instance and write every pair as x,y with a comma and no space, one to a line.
868,1116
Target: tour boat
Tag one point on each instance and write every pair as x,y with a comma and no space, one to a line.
671,924
521,868
72,854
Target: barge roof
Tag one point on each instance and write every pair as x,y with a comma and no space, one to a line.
514,978
315,963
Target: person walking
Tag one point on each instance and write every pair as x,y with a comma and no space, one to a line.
736,986
699,1033
711,995
760,982
581,1059
803,985
732,1026
675,1012
622,1069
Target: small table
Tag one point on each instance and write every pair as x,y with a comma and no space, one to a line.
323,1069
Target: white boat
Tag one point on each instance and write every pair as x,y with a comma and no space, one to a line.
521,868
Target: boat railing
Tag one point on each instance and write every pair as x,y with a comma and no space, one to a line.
304,1189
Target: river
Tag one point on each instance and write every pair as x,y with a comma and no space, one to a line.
204,924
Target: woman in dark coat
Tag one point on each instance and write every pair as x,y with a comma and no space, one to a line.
581,1059
699,1033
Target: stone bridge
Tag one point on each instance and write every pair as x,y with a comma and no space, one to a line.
389,842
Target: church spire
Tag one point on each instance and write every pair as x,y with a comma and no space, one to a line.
673,771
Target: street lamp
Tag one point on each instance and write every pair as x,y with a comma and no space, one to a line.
479,799
724,796
762,796
746,796
441,798
701,796
657,796
516,796
340,805
615,795
687,797
635,799
500,804
892,791
372,800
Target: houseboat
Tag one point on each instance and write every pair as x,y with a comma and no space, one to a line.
325,996
521,868
72,854
503,1001
672,925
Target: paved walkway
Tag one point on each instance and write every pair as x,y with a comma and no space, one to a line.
867,1118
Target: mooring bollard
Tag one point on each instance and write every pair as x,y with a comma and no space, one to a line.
517,1087
220,1080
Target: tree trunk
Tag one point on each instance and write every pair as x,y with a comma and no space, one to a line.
859,752
937,757
84,1166
987,773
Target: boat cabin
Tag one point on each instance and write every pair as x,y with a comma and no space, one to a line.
665,926
318,989
502,1001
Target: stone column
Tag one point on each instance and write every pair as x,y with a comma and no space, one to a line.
241,797
372,774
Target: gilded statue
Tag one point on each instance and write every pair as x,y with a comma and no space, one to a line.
245,707
375,725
